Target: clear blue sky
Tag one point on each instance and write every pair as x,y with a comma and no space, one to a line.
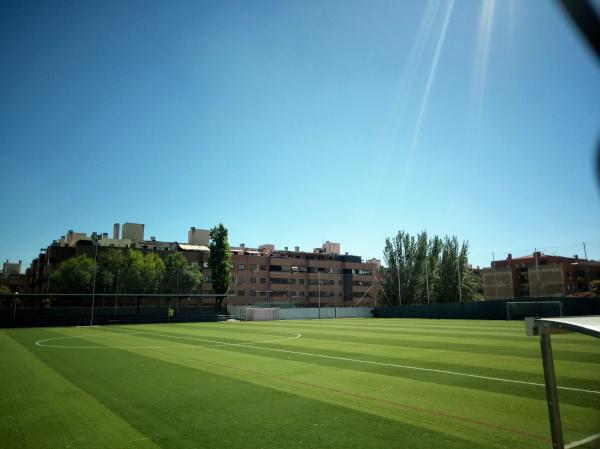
295,122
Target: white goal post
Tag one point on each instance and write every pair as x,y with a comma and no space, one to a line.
262,313
538,309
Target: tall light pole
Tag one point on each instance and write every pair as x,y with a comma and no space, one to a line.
117,290
459,283
427,280
399,291
319,290
95,238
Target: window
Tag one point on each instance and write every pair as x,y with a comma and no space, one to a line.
241,280
252,292
253,280
263,280
241,266
253,268
292,281
263,268
204,264
301,281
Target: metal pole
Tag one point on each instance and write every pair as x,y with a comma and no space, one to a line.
551,393
587,266
319,290
459,283
48,286
94,282
427,280
495,277
537,272
399,292
117,291
177,289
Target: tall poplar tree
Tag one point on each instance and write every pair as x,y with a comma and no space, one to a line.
220,264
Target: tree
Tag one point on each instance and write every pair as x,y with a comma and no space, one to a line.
219,262
111,269
181,276
74,275
595,286
421,269
142,273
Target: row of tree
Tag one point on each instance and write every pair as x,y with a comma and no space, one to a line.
420,269
128,271
132,271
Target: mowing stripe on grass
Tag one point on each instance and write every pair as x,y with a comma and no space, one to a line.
399,405
348,359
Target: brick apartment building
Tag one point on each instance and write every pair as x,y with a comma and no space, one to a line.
262,275
538,275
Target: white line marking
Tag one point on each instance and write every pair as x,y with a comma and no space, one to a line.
585,440
368,362
215,343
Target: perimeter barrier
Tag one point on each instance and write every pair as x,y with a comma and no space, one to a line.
28,310
495,309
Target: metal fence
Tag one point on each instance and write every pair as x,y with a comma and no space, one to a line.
485,310
85,309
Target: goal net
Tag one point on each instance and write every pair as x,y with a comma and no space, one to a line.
518,310
262,313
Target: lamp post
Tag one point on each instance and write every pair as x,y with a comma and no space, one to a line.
95,238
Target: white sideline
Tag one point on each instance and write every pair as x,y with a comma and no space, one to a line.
368,362
583,441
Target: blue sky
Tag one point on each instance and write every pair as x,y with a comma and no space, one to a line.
298,122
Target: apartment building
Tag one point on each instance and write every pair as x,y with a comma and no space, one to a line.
538,275
264,275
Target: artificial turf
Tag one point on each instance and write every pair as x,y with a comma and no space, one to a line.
348,383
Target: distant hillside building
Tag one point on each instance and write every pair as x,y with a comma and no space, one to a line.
538,275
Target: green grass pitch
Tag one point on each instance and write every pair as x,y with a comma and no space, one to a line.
347,383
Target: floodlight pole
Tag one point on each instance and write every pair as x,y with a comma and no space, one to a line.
399,292
95,240
427,280
459,283
319,290
117,291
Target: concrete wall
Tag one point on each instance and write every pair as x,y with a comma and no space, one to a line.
311,313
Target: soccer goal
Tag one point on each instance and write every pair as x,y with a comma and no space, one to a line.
262,313
518,310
